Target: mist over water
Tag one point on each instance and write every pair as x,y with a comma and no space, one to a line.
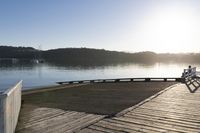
43,74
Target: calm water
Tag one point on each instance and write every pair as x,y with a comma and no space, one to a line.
36,75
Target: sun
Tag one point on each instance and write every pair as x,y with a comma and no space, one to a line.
169,30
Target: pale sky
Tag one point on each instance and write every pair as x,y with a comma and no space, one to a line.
123,25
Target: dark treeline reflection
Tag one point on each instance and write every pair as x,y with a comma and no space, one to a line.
86,65
85,57
24,64
17,64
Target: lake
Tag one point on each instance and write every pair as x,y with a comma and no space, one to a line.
43,74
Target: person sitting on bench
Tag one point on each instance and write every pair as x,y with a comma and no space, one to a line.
189,69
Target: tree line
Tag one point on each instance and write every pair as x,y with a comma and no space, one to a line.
87,55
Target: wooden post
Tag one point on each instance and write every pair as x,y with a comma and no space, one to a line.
147,79
71,82
117,80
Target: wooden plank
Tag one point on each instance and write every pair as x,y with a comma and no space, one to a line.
164,120
42,126
172,110
40,114
103,129
56,120
114,127
162,125
65,126
183,104
144,101
179,100
167,115
83,123
88,130
126,127
26,124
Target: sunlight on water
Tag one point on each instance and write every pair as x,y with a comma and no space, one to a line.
36,75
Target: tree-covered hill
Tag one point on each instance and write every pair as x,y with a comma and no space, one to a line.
82,55
90,56
18,52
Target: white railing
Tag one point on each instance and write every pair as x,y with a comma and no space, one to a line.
10,104
197,73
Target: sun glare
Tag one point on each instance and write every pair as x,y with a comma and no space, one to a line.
170,30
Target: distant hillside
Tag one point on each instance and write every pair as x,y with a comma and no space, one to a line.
72,55
80,56
18,52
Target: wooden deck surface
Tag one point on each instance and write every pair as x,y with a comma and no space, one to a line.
175,109
51,120
94,98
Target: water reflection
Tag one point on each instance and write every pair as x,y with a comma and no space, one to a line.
95,65
11,64
42,74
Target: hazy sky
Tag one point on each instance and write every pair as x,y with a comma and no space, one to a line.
123,25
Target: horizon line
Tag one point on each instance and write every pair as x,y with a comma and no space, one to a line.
131,52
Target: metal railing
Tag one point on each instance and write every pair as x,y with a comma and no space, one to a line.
10,104
190,72
149,79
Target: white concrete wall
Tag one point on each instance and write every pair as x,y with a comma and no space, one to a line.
1,114
10,104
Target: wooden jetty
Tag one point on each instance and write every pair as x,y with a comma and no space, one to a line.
175,109
149,79
50,120
71,108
